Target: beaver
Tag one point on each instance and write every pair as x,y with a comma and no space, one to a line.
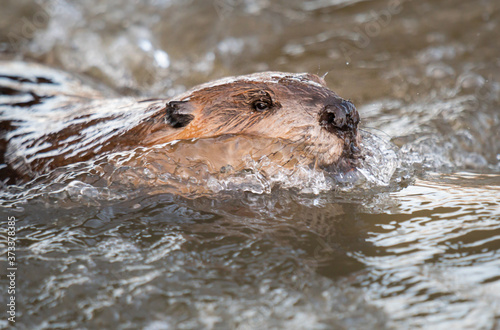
50,118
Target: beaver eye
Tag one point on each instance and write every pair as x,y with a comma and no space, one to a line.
261,106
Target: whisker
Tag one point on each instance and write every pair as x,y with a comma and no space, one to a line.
369,129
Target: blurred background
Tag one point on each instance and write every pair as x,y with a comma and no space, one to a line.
371,49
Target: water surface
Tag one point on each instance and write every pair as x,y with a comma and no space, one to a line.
413,241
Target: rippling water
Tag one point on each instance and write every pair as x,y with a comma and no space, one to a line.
412,239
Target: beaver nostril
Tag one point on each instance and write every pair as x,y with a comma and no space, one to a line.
339,116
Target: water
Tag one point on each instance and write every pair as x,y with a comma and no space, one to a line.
410,240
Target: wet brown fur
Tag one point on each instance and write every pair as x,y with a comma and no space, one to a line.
293,114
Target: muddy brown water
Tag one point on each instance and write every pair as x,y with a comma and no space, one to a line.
415,244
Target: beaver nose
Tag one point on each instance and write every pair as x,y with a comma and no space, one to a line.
340,116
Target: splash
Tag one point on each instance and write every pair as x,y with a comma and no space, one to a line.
190,169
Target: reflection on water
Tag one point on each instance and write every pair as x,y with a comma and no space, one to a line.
440,265
412,241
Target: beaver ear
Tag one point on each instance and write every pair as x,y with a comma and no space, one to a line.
179,113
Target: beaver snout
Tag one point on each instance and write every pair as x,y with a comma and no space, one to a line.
339,117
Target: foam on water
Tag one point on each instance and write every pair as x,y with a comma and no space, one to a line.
178,168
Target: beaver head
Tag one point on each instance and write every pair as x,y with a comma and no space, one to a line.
294,107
